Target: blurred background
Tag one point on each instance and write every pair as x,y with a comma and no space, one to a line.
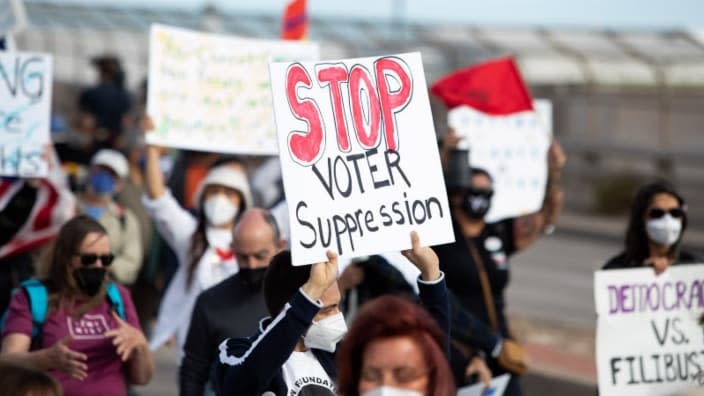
625,77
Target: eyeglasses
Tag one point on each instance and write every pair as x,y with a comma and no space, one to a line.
90,258
485,192
657,213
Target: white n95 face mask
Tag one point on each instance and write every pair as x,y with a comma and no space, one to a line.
665,230
326,333
219,210
391,391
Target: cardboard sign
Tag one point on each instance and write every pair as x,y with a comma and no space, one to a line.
211,92
648,339
497,387
359,156
25,102
513,149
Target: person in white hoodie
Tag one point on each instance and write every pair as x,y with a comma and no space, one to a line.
201,242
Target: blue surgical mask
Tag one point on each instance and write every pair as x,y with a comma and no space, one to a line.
94,211
102,182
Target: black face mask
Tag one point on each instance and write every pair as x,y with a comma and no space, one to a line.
252,278
476,202
89,279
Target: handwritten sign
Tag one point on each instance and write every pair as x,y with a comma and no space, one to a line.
513,149
25,100
648,338
211,92
359,156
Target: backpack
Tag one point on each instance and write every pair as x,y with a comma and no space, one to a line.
39,303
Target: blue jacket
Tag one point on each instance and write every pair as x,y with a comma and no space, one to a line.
252,366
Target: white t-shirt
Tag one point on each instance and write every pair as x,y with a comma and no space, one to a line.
305,376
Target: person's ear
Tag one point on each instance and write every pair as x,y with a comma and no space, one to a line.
282,244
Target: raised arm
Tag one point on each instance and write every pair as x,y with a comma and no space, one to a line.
528,229
431,285
155,185
246,367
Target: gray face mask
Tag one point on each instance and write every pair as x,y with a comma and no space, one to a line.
665,230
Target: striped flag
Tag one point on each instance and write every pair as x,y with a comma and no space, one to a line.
295,21
55,204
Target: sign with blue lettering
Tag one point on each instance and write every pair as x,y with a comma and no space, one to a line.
25,102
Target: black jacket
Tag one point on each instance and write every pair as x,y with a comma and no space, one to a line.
252,366
228,309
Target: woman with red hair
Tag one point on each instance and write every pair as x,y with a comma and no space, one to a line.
394,347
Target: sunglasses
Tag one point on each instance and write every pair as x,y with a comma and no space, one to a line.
486,192
90,258
657,213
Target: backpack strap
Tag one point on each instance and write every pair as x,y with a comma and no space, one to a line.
38,303
115,298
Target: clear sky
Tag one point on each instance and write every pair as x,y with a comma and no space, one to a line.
617,14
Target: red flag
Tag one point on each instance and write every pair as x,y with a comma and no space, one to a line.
295,21
493,87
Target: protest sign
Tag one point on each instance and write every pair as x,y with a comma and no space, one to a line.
211,92
648,339
25,102
359,156
497,387
513,149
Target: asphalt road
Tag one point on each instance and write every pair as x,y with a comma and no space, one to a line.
553,279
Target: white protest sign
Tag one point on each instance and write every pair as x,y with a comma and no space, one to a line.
25,102
648,339
359,156
513,149
211,92
497,387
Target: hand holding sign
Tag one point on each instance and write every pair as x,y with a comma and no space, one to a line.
424,258
322,276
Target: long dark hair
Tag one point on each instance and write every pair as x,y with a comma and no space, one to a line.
59,281
636,237
389,317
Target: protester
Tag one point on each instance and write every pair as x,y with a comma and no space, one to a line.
394,345
18,380
293,352
103,108
477,264
655,229
90,340
108,171
233,307
201,242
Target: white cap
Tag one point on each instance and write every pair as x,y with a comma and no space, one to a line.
112,159
225,175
